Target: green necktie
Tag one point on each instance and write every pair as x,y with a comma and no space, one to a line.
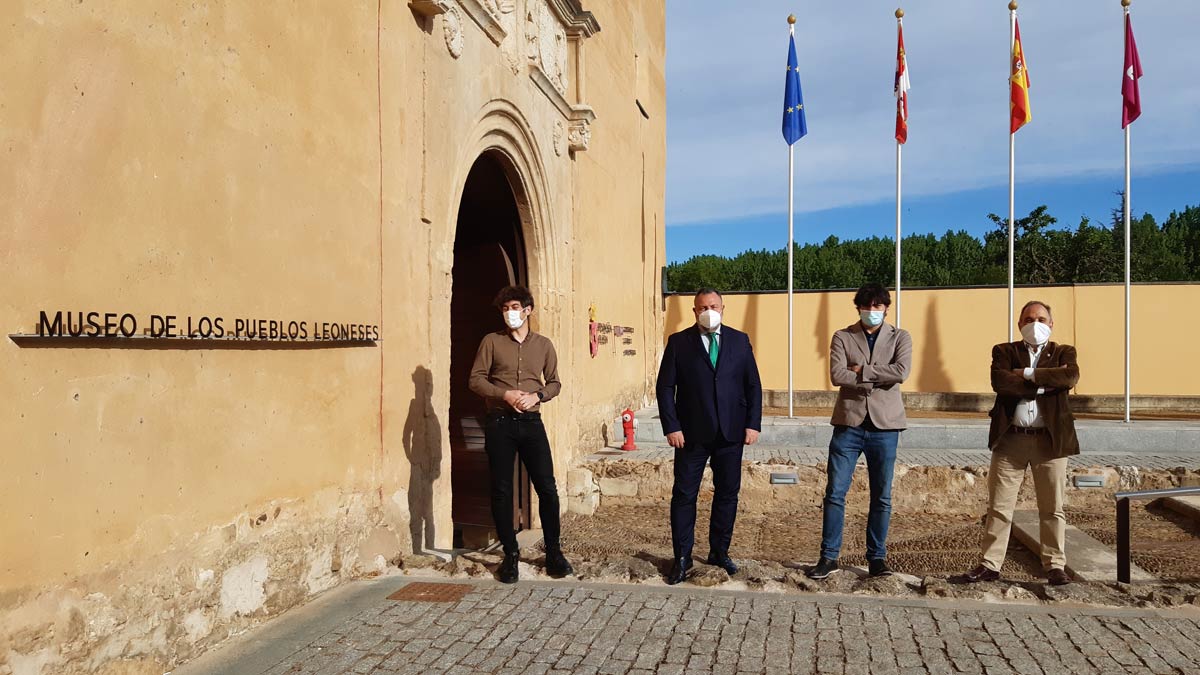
712,349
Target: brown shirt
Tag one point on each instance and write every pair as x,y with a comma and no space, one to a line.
502,364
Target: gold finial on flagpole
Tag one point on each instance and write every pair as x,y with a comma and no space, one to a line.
1126,3
791,18
1012,6
899,13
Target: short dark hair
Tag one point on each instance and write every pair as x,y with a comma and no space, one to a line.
510,293
872,294
707,291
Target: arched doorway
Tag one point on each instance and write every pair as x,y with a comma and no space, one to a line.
489,253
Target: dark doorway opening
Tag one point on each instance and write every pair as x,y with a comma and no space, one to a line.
489,253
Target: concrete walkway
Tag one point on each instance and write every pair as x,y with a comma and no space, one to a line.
1101,436
808,456
590,629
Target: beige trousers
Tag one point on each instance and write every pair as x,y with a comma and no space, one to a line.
1014,453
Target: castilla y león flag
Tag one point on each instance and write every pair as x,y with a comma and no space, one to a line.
1132,107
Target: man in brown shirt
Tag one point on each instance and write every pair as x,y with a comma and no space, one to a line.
516,371
1032,426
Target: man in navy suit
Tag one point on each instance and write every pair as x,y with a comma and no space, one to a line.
710,403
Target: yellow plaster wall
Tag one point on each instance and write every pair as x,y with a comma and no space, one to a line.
286,161
160,161
953,331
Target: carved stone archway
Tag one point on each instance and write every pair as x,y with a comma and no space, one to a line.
504,137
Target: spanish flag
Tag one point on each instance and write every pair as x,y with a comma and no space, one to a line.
1019,112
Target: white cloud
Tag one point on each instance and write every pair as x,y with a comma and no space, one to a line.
725,72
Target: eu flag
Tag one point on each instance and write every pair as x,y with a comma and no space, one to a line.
794,126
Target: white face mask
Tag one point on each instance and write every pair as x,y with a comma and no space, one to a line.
514,318
870,317
1036,333
710,319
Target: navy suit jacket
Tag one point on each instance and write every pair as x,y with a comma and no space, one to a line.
707,403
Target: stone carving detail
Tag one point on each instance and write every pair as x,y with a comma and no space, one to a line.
453,31
547,44
508,17
499,7
429,7
580,135
560,134
493,16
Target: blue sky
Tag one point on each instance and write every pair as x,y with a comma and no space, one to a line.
727,161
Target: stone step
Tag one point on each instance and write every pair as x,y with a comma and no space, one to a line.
1172,437
1087,558
1187,505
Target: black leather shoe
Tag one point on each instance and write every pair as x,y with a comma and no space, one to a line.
878,567
1057,577
557,565
723,561
980,573
679,571
822,569
508,574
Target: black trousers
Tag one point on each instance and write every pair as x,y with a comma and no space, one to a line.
507,437
726,460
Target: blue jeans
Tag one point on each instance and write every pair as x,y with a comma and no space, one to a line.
844,449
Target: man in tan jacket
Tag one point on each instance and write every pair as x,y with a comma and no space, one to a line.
1032,426
868,360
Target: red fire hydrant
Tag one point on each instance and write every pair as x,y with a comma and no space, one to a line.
629,425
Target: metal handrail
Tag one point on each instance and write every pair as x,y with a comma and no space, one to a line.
1123,499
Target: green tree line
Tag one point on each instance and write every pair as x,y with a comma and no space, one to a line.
1043,254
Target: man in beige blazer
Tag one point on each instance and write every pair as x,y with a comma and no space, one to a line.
1032,426
868,360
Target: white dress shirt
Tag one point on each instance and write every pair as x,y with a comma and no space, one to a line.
1027,413
704,338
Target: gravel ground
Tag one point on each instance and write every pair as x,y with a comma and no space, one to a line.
1162,542
918,544
1165,544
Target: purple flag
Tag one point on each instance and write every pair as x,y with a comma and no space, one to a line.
1132,107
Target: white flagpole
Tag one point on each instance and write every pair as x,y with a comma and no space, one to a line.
1127,247
1128,240
791,234
900,91
898,170
1012,145
791,191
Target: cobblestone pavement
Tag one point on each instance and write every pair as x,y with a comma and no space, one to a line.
616,630
810,456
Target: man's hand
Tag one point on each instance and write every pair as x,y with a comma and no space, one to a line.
513,398
751,436
528,401
855,369
675,439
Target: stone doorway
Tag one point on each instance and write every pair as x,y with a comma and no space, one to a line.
489,253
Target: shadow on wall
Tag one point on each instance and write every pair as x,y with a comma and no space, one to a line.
674,316
933,375
751,322
423,447
823,334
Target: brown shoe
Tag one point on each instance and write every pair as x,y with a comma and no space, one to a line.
1057,577
980,573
